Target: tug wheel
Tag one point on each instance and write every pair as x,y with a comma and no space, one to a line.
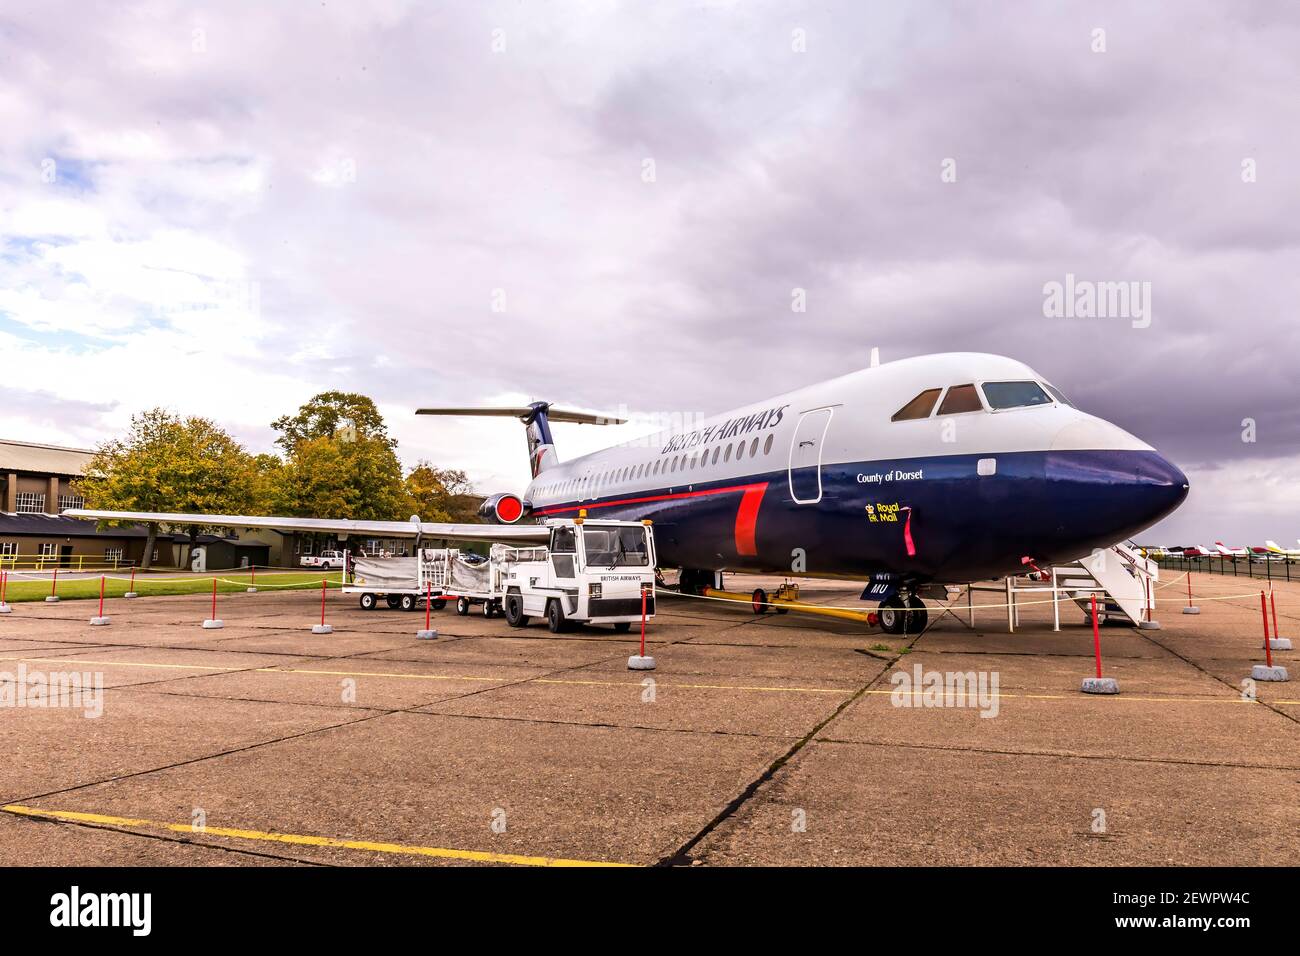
758,601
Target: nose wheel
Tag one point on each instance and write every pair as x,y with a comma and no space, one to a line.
899,615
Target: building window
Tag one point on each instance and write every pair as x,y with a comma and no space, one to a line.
71,501
49,550
155,556
29,502
8,549
113,555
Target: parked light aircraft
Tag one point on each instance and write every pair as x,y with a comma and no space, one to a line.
939,469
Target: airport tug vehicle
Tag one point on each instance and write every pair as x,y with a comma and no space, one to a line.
590,572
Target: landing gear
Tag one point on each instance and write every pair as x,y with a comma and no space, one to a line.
695,581
899,615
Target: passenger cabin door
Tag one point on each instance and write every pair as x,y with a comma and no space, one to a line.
806,456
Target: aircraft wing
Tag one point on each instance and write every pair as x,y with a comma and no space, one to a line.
509,534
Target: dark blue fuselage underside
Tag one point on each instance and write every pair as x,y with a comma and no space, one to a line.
1048,506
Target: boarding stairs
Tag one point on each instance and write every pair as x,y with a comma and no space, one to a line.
1123,581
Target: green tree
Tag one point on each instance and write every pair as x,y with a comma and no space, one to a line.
328,478
440,494
341,415
168,463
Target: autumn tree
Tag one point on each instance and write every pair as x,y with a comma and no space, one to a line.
440,494
339,462
341,415
168,463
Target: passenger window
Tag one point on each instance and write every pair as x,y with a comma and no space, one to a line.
1014,395
740,451
961,398
716,452
753,448
767,445
919,407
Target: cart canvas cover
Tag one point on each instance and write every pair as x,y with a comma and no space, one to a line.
387,574
468,577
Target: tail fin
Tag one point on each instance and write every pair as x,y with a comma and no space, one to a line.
537,418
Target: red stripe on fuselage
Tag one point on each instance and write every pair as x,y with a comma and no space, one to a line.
747,518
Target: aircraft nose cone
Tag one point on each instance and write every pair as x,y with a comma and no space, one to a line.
1162,483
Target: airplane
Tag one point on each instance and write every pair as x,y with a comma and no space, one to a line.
1273,548
1228,552
933,470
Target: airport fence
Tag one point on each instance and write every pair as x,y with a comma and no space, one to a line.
1234,566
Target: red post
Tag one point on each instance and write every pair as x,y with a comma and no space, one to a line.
1096,635
643,606
322,600
1272,600
54,582
214,599
101,595
428,603
1263,610
132,585
1189,588
4,585
252,578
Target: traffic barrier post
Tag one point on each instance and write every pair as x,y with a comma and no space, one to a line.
1098,684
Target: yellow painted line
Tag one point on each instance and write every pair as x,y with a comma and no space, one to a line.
296,839
613,683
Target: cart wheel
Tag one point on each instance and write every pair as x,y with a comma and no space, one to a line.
394,601
407,602
489,609
462,606
368,602
622,627
438,604
759,601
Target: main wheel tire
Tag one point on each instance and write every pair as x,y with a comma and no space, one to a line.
368,601
408,602
514,605
555,619
758,601
892,615
918,616
622,627
462,606
394,601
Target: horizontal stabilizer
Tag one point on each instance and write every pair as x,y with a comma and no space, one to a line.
523,412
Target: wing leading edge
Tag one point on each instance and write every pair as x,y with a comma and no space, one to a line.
521,534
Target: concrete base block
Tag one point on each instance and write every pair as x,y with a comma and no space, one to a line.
1279,643
1264,672
1100,685
1191,610
52,599
638,663
423,635
250,590
1149,625
322,628
100,621
5,609
212,625
130,594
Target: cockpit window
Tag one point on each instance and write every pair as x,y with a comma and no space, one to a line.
1056,394
961,398
918,407
1015,394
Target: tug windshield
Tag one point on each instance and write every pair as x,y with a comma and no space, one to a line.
611,547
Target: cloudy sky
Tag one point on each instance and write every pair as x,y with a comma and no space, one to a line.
226,208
